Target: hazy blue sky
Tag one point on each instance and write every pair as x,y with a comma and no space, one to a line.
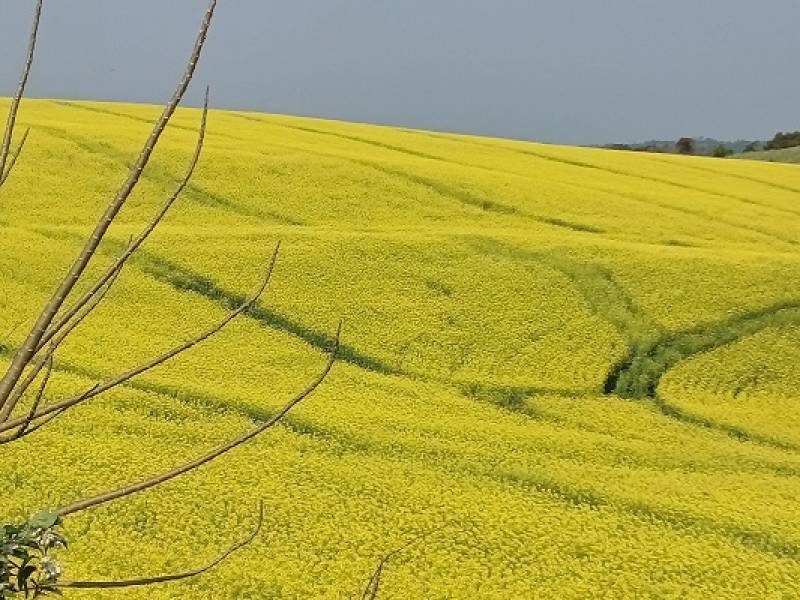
575,71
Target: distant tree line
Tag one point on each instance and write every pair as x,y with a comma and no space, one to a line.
711,147
636,147
789,139
691,146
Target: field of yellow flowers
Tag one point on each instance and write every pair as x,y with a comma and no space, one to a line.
574,369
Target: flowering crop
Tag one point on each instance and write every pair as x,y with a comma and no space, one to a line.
499,300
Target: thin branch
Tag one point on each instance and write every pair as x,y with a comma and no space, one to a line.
41,423
39,394
126,583
212,455
373,585
5,149
15,156
98,389
140,239
29,349
37,400
21,388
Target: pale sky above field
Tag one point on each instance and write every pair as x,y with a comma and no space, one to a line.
571,71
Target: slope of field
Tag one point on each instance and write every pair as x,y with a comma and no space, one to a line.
576,367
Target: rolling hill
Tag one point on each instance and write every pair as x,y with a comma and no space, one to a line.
576,369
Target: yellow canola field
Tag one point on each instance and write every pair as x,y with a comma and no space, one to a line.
574,368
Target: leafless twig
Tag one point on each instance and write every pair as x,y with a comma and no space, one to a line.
5,149
138,240
373,585
38,362
39,395
101,388
212,455
57,320
15,156
24,355
141,581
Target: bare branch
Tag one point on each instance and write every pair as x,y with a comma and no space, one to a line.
5,149
41,423
57,321
15,157
212,455
98,389
143,581
23,357
39,394
373,585
140,239
38,363
37,400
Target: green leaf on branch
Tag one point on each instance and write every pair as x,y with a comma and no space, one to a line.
26,567
44,520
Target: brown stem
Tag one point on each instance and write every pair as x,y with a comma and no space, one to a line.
98,389
38,363
374,583
41,423
5,149
125,583
139,240
219,451
15,157
37,400
29,349
373,586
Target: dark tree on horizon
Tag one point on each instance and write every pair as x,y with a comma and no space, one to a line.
685,145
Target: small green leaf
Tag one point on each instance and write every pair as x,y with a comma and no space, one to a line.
44,520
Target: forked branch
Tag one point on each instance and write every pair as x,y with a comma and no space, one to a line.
374,583
57,321
15,156
67,403
5,148
138,240
39,361
32,344
67,322
100,288
39,395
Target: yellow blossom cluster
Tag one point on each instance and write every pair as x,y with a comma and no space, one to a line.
492,292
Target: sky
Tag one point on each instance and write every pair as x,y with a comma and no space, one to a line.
567,71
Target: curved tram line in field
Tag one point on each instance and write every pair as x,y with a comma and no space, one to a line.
652,352
613,171
532,480
438,186
184,279
161,176
492,205
609,300
639,374
145,120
